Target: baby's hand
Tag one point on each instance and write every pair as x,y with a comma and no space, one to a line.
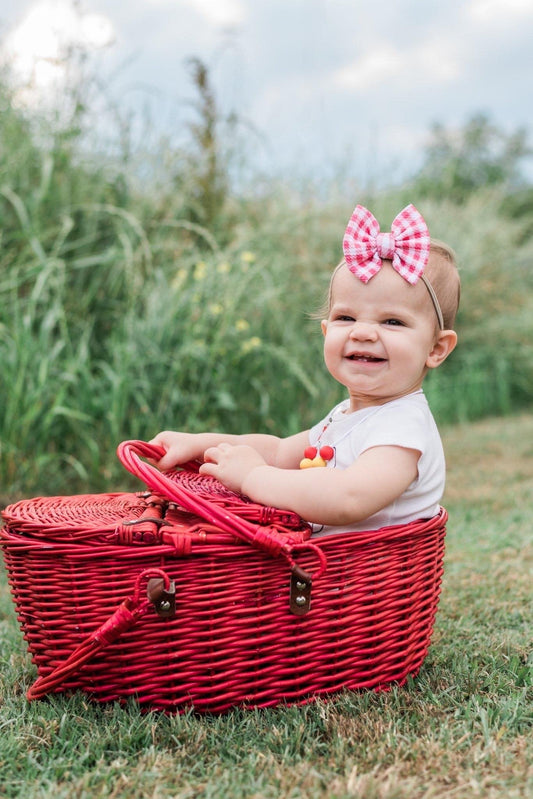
231,464
179,448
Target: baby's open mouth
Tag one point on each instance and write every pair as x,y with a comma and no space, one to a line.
365,358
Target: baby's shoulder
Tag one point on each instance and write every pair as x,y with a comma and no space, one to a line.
411,412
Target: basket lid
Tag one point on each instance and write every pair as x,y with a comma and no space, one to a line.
96,516
213,490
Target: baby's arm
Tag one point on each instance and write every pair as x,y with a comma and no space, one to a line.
284,453
324,496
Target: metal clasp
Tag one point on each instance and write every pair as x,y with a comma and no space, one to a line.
300,593
163,599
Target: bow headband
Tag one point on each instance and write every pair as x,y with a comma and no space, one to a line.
407,246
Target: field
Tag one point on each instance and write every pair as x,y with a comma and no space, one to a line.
462,729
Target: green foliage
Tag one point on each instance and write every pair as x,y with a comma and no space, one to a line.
459,163
207,166
491,371
140,292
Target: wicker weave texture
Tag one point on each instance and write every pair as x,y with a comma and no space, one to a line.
233,640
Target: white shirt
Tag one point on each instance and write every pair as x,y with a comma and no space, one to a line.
405,422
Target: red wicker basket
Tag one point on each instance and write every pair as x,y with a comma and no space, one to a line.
186,595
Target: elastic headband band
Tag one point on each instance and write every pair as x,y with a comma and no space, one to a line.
434,300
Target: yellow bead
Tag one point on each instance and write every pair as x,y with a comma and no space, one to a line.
306,463
318,461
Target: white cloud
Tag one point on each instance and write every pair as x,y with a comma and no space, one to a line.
96,31
369,70
38,46
222,13
500,10
434,61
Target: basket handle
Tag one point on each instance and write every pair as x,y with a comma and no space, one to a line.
267,539
123,618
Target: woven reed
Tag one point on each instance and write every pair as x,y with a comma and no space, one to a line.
72,562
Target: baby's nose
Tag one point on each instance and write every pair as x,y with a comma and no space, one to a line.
363,331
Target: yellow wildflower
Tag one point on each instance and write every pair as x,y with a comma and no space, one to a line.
241,325
200,271
247,257
251,344
223,268
179,278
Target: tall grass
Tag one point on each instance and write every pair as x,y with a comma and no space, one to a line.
124,311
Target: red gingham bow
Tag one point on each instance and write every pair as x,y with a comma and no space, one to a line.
407,245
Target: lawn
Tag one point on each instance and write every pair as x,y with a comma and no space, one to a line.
462,729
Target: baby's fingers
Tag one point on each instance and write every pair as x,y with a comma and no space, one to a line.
214,454
208,468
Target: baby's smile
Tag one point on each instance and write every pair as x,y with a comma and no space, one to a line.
364,358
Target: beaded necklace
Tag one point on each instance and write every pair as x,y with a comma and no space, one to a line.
313,456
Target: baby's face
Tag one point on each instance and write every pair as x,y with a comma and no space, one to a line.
378,335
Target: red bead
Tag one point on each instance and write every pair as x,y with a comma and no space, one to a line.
310,452
327,453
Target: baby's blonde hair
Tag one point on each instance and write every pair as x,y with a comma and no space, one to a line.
442,273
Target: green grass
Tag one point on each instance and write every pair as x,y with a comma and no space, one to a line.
462,729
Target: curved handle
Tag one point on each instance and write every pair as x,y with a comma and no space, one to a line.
124,617
265,538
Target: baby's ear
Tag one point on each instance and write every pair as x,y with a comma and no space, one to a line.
445,344
324,326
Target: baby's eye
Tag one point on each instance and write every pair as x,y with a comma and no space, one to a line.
344,318
394,322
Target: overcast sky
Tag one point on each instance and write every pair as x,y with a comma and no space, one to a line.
324,83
